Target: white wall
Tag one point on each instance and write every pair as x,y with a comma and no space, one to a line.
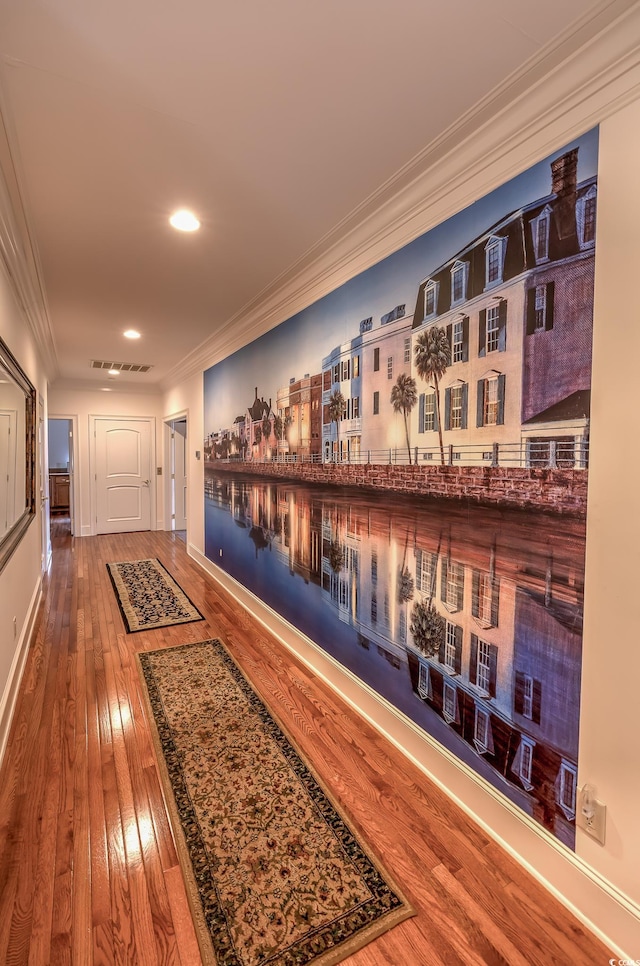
20,580
609,726
600,883
83,404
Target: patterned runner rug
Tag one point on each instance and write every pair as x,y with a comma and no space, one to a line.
149,596
274,873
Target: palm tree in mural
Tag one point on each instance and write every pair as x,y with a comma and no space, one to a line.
278,431
433,357
406,584
336,556
337,406
427,627
404,396
266,431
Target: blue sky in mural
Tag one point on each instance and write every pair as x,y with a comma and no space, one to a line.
298,345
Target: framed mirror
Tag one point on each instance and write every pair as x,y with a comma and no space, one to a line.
17,453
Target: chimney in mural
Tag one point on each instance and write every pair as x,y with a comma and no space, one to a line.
564,179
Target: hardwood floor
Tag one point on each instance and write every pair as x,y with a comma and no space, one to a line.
88,869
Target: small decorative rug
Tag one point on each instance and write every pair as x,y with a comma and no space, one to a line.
149,597
275,875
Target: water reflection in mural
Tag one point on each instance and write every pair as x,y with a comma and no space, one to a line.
468,620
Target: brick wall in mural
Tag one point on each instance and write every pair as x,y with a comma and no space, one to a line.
400,471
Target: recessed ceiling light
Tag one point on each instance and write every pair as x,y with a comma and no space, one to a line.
131,334
114,372
184,220
105,389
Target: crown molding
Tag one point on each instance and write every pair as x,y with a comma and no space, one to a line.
588,73
18,252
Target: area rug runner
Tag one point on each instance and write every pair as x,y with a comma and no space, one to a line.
274,873
149,596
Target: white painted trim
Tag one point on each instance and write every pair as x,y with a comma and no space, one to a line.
588,895
587,74
10,695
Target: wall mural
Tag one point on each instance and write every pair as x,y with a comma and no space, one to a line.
462,362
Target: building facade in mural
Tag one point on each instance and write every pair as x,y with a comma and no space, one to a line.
464,617
299,418
513,303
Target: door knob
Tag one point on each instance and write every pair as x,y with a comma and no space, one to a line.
145,482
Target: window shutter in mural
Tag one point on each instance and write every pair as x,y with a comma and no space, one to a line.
500,413
465,405
502,326
473,659
495,601
458,657
482,332
480,403
493,669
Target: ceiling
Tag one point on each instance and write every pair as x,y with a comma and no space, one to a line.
273,122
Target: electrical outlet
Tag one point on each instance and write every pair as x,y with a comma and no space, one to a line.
220,551
591,814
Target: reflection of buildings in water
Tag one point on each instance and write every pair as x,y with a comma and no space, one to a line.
341,552
299,534
547,668
274,517
507,589
232,495
506,677
506,674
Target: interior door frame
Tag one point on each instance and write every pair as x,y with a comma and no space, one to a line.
93,476
74,482
168,463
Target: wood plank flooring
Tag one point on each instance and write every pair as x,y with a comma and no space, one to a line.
88,869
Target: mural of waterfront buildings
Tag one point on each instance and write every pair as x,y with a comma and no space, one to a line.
475,351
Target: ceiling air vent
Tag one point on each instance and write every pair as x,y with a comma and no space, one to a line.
120,366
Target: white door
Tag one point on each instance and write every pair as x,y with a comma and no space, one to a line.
123,475
180,473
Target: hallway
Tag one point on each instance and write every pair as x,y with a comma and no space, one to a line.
88,868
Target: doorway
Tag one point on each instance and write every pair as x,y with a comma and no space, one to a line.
176,490
60,448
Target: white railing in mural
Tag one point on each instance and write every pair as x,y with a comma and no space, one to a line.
562,452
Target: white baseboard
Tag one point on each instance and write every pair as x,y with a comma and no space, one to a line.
603,909
10,695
